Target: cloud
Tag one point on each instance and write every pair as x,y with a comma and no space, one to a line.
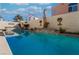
16,11
29,10
30,4
19,4
21,9
34,9
22,3
49,7
2,10
43,3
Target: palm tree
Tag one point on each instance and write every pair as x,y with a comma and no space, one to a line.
18,18
45,19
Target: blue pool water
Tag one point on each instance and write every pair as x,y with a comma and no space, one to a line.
43,44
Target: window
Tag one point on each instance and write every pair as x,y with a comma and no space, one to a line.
72,7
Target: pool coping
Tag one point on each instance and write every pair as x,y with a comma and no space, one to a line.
5,49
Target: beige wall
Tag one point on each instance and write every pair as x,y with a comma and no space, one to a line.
70,21
35,23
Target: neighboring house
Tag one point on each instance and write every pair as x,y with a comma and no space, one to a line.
10,25
69,12
7,24
63,8
33,18
35,22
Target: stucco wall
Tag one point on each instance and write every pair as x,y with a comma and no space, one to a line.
70,21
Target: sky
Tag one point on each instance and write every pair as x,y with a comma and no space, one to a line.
9,10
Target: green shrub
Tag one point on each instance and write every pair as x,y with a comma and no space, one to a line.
72,32
61,30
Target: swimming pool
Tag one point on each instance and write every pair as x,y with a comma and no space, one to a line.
43,44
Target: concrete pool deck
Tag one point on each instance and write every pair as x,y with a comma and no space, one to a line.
4,47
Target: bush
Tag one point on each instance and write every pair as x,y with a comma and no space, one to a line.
72,32
62,30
